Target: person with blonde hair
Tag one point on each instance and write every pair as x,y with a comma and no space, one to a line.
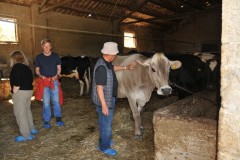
21,79
48,68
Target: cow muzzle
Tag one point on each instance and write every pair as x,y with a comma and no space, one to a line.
166,90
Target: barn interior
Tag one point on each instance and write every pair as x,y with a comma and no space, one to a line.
80,28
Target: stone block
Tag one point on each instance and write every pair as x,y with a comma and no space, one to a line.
186,130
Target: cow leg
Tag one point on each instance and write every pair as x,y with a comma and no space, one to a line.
89,75
140,104
81,87
137,119
87,83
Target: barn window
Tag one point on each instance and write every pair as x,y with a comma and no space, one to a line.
129,40
8,30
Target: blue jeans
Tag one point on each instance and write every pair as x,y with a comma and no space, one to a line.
105,126
54,95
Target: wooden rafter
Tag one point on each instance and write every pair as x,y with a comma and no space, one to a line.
150,21
89,12
43,4
135,9
163,5
54,6
111,3
131,9
169,18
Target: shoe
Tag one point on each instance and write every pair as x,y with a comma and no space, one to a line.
59,121
110,152
21,138
46,125
34,131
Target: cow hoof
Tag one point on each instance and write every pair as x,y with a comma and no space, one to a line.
138,137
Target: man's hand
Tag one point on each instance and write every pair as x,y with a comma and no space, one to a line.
55,78
105,110
131,65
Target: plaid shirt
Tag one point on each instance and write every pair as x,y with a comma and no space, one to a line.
107,89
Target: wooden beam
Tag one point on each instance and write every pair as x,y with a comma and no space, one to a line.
43,4
150,21
169,18
129,8
54,6
164,5
111,3
89,12
135,9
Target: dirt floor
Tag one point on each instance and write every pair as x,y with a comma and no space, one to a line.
78,139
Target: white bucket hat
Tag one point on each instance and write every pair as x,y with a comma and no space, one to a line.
110,48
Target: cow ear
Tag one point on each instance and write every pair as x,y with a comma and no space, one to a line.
144,63
175,64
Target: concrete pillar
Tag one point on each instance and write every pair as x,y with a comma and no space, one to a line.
229,118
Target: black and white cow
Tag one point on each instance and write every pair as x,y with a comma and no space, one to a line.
192,76
78,67
212,59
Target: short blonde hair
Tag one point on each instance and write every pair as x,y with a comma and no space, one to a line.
44,41
18,57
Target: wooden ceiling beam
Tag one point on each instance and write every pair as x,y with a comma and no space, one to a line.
133,10
175,17
54,6
43,4
85,11
150,21
164,5
130,9
111,3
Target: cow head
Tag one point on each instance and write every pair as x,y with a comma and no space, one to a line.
158,69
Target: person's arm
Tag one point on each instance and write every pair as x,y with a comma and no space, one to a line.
15,89
37,70
102,100
58,73
128,67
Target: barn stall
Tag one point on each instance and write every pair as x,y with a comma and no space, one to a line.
181,26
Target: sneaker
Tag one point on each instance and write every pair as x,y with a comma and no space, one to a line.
59,121
34,131
46,125
21,138
110,152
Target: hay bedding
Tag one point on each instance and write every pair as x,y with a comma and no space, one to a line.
78,139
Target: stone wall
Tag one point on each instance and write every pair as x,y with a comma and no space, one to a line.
229,118
186,130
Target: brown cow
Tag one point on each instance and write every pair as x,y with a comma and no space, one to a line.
137,85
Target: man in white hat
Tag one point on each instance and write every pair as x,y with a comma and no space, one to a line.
104,94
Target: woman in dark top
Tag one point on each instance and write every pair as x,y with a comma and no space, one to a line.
21,80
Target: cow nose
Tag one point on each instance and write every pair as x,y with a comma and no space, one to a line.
166,91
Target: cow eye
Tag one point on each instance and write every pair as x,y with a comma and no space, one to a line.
153,70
